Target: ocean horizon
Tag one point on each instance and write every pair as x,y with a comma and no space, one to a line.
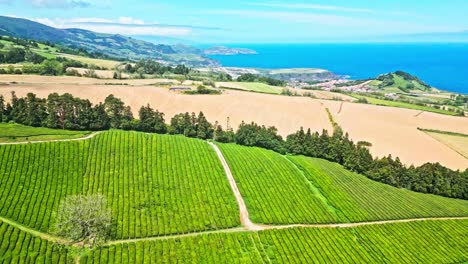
444,66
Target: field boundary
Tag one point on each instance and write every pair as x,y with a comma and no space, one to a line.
429,131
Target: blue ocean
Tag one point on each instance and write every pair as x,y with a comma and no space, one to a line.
444,66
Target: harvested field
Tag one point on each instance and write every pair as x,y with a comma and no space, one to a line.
39,80
286,113
457,143
105,74
390,130
394,131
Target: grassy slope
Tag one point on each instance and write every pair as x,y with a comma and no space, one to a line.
315,191
254,87
361,199
399,82
155,185
51,53
375,101
20,133
422,242
273,189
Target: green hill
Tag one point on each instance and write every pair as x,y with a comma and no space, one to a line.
156,185
172,202
400,80
113,45
300,190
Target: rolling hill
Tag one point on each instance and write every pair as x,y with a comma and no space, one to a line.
171,201
400,80
114,45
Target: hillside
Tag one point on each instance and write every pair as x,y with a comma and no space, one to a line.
293,190
110,44
180,184
171,201
400,80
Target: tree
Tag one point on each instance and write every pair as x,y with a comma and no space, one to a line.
83,219
2,108
51,67
15,55
101,120
116,111
151,121
222,136
204,128
35,111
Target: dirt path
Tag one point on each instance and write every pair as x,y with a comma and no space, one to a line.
134,240
244,214
33,232
53,140
351,225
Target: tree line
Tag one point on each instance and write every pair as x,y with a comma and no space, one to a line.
249,77
153,67
69,112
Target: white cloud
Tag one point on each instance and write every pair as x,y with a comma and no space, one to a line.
313,6
122,25
59,4
130,20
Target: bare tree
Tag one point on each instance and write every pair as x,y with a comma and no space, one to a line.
83,219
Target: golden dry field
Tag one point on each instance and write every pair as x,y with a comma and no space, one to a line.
457,143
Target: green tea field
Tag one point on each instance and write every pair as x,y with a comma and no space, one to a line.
172,200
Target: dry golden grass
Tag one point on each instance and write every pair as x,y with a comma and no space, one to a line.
457,143
390,130
69,80
104,74
394,131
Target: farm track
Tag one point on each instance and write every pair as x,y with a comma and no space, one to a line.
90,136
59,240
244,213
34,232
247,224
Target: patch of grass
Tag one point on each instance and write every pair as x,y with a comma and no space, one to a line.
20,133
254,87
456,141
98,62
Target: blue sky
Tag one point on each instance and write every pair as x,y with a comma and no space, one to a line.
258,21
